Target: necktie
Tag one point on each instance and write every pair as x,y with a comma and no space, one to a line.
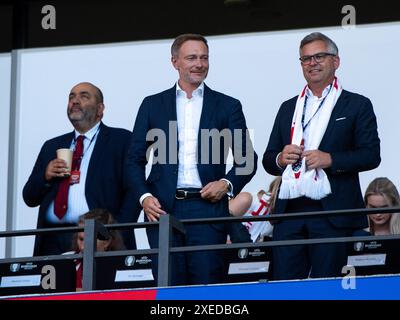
61,200
79,273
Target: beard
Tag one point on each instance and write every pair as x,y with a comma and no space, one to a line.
81,116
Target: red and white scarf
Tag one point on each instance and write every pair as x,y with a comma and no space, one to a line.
297,181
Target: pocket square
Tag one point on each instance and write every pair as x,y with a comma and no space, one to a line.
339,119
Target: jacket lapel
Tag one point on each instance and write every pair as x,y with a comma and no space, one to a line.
207,112
209,108
337,110
66,140
169,100
98,150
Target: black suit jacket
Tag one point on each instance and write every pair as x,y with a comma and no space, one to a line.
157,114
352,140
105,187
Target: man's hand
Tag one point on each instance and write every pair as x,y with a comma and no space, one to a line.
316,159
56,168
214,191
290,154
152,208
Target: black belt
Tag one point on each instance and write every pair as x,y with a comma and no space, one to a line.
183,194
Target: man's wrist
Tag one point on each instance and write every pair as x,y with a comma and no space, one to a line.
229,187
277,161
144,196
328,161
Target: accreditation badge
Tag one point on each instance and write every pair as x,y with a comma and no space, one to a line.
75,177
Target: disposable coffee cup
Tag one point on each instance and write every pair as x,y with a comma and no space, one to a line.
66,155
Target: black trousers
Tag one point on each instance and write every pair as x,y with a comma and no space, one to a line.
302,261
200,267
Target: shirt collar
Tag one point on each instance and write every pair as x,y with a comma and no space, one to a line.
90,134
324,93
199,91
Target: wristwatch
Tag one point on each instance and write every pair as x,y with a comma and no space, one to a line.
229,187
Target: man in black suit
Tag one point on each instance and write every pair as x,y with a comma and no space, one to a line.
319,143
99,178
190,128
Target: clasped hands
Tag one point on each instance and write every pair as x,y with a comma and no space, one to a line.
315,159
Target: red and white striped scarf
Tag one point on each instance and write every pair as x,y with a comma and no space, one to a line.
297,181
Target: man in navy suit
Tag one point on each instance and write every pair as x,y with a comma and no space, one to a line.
101,176
319,143
191,129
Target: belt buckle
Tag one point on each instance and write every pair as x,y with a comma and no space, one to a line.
184,194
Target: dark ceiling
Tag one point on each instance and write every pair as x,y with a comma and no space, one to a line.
90,22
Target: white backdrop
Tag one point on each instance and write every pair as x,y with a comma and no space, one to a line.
5,78
261,69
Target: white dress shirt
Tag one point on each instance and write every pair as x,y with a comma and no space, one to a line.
313,102
310,108
77,204
188,112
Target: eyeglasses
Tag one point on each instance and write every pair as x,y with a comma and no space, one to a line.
318,57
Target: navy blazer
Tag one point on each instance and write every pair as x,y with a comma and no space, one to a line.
351,138
158,112
105,187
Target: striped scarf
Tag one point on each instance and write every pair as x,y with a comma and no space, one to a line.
297,181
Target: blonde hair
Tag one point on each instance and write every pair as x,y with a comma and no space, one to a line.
384,187
274,190
181,39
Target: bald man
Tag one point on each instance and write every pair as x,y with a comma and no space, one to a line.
97,177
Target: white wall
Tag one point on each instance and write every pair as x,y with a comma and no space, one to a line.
261,69
5,83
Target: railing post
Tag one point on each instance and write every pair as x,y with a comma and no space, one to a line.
164,244
165,233
89,263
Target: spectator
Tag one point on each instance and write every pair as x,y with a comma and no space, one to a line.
191,181
261,203
320,142
96,180
382,193
114,242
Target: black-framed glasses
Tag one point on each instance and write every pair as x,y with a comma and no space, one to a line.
318,57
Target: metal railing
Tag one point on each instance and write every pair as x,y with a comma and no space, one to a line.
167,224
